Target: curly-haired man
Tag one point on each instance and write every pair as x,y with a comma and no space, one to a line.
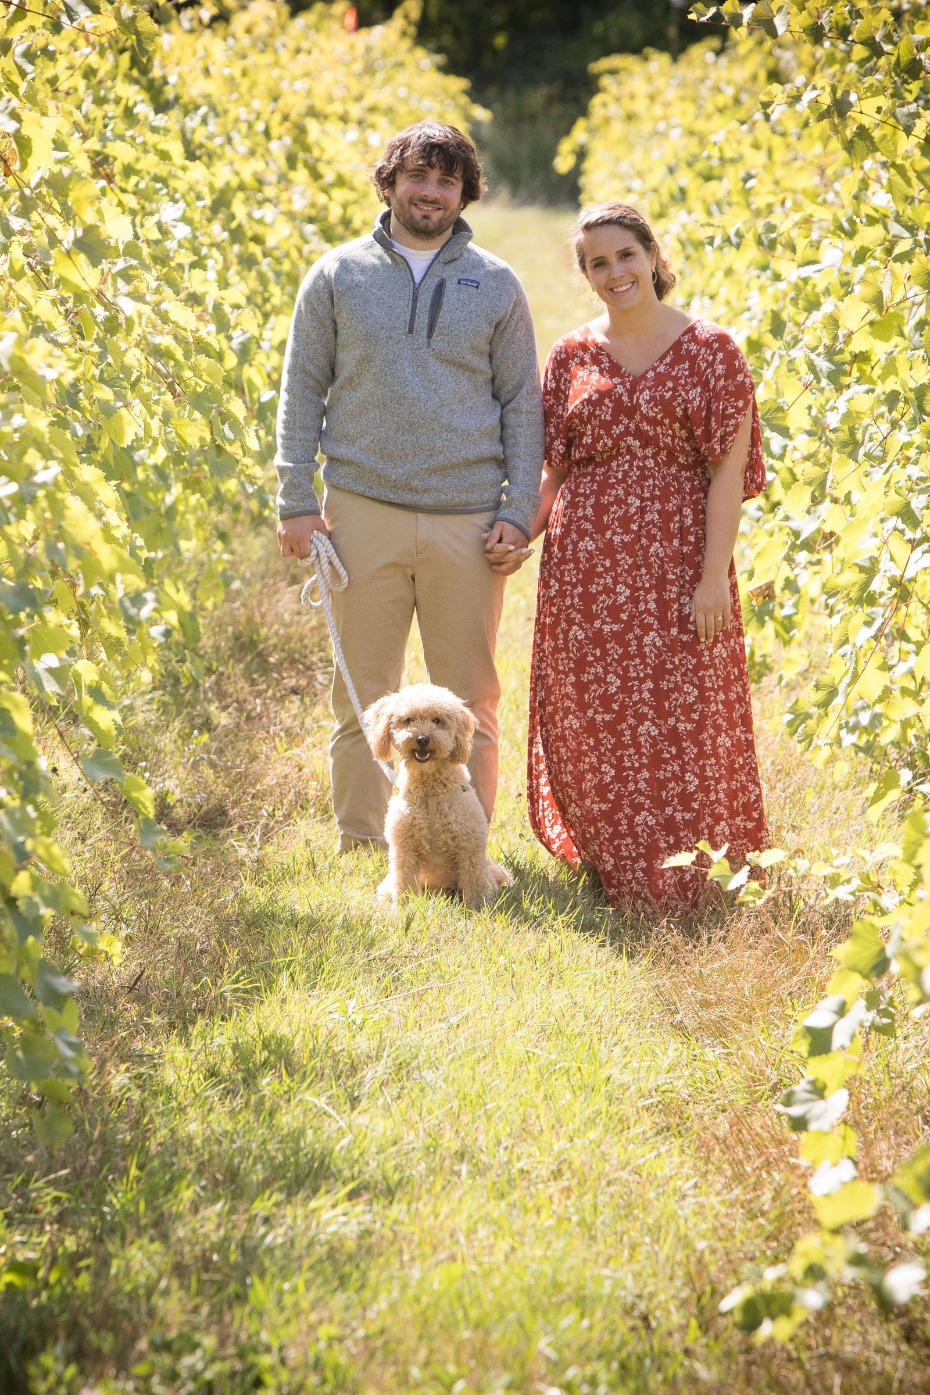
411,367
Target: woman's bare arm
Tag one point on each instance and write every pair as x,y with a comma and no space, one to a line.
551,483
710,605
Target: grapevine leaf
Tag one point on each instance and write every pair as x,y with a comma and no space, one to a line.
805,1107
102,765
52,1125
855,1201
902,1282
13,1000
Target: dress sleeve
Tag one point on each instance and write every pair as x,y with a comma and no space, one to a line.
557,378
726,392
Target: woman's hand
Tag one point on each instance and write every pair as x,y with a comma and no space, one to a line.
710,607
710,604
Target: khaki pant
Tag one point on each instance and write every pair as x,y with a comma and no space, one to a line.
402,563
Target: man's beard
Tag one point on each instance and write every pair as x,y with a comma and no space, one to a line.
424,226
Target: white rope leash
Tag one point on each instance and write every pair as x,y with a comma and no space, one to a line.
331,575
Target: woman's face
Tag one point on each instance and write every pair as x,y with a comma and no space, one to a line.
618,266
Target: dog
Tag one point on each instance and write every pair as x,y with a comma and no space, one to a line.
436,829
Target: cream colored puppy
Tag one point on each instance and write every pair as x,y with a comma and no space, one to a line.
435,828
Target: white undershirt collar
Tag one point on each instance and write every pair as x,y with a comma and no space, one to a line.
419,262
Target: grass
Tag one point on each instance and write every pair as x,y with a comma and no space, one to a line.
326,1147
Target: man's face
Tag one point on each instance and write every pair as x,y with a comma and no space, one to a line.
425,202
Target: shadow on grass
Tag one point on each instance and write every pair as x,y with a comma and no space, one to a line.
576,900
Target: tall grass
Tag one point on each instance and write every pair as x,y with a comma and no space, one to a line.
330,1147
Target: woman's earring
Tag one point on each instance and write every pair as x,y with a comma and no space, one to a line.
654,277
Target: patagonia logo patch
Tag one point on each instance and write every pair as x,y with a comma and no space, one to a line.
469,281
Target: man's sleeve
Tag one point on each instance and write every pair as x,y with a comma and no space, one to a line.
309,368
515,375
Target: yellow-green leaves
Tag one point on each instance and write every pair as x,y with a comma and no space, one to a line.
122,427
854,1201
156,222
35,142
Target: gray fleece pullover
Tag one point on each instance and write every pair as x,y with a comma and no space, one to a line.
422,396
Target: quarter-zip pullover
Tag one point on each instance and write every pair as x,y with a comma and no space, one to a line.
424,396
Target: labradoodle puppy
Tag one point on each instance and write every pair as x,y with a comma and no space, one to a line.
436,829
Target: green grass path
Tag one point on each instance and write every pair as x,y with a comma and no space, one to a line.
330,1147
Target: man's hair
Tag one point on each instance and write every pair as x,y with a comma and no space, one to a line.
621,215
437,146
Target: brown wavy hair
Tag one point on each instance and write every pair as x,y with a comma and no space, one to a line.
622,215
437,146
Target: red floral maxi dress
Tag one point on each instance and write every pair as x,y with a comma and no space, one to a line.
641,738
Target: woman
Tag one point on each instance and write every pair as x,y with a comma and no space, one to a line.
641,737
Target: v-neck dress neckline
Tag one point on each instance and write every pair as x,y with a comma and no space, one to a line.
615,362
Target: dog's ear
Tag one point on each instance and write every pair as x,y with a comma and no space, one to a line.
378,725
465,724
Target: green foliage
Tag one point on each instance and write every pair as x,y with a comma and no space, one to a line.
156,224
789,174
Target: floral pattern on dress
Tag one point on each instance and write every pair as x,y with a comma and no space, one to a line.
641,738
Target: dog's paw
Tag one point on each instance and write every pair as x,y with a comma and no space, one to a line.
499,875
476,900
482,894
387,890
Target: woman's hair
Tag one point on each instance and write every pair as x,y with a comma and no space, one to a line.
621,215
435,145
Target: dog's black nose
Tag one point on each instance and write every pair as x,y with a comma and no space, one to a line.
422,742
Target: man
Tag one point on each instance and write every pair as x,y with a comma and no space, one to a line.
411,364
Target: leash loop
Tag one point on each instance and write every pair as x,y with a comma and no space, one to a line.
331,575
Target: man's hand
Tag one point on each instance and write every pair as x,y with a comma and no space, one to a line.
505,548
294,534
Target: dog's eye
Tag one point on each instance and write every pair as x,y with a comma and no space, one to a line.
437,721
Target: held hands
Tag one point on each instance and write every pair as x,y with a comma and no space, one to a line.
710,607
505,545
294,534
505,548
